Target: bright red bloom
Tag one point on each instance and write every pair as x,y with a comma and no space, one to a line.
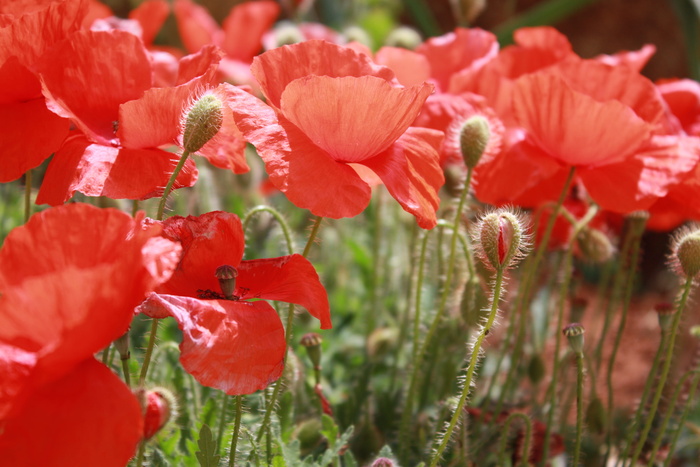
240,38
69,281
30,131
122,122
235,345
329,108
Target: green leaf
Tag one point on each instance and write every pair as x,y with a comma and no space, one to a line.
329,430
207,454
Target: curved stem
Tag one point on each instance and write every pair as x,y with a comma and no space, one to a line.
664,370
236,431
149,351
288,338
476,351
278,217
526,442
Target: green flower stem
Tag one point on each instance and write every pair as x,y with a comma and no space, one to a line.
159,216
27,195
605,284
567,266
105,354
419,355
664,370
134,207
476,352
171,182
236,431
684,416
125,369
371,318
526,442
626,270
288,330
671,408
278,217
645,394
524,291
579,408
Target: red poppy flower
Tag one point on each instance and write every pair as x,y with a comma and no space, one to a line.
69,281
122,122
30,131
240,38
329,108
235,344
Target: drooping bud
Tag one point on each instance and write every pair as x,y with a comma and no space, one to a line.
594,245
122,346
202,122
160,405
501,239
536,369
404,37
312,342
473,138
574,334
685,256
665,312
227,280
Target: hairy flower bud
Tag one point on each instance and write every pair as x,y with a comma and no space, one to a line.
501,239
473,138
685,256
202,122
383,462
594,245
574,334
160,405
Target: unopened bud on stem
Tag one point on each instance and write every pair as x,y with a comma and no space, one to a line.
202,122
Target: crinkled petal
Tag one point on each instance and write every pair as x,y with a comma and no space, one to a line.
234,346
97,170
683,99
309,177
290,279
573,127
351,118
276,68
635,59
411,171
84,79
70,279
244,28
211,240
88,417
197,64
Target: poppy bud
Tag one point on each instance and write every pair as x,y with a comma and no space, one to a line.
202,122
473,139
594,246
160,404
122,346
685,255
286,33
665,312
596,416
404,37
312,342
501,239
227,280
536,369
574,334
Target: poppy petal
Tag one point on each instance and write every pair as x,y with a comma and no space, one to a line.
88,417
352,118
291,279
276,68
211,240
295,165
96,62
573,127
234,346
151,14
245,26
197,27
117,173
411,171
411,68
